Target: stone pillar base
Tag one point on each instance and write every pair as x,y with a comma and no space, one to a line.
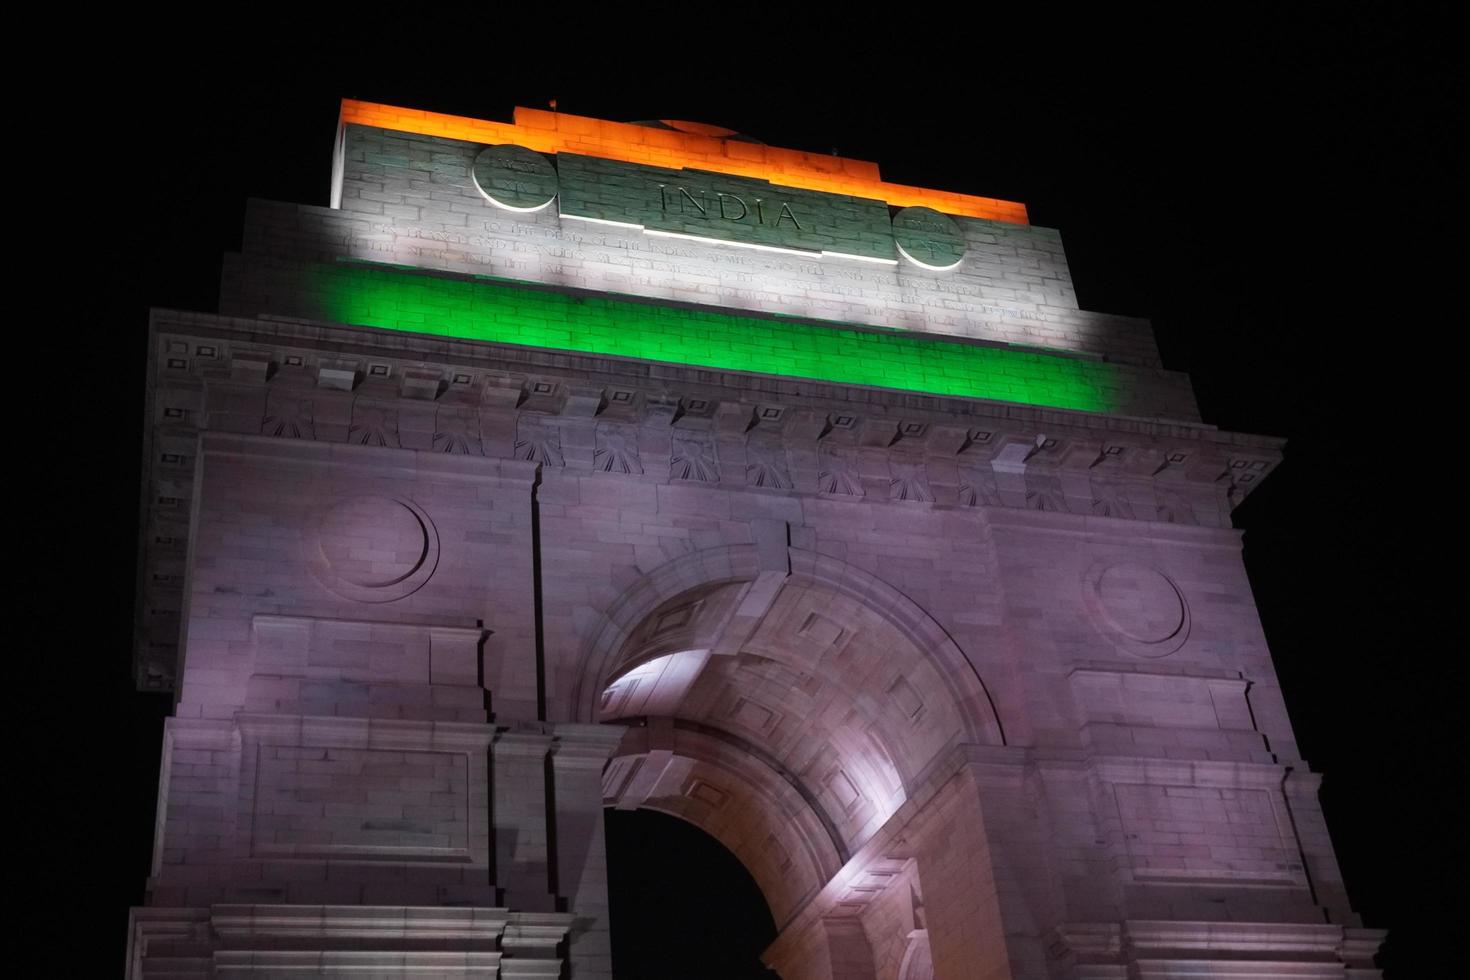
1138,950
260,941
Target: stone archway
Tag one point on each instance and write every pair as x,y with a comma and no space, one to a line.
789,705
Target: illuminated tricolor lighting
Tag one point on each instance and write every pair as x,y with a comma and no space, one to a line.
501,312
554,132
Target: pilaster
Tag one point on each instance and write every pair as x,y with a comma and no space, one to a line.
580,879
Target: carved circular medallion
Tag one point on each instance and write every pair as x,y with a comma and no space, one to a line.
372,548
1139,608
515,178
929,239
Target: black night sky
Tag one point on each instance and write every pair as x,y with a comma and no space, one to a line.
1271,192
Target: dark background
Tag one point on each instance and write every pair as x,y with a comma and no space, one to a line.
1272,190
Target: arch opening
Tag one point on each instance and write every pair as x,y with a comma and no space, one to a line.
681,903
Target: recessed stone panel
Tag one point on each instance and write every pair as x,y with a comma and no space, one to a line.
1207,834
819,631
707,793
753,715
515,178
842,789
335,802
1138,607
903,696
779,855
929,239
371,548
723,207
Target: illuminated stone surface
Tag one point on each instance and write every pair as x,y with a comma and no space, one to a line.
515,178
941,629
929,239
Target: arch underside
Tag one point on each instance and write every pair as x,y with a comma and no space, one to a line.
789,714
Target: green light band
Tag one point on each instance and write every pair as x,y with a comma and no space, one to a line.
499,312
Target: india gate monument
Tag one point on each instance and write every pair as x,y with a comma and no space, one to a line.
562,465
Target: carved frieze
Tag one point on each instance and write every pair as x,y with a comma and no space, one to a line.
766,466
538,442
693,458
937,454
617,450
838,473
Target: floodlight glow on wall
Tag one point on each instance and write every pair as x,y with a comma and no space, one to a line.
554,132
497,311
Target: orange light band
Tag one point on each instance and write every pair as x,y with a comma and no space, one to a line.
556,132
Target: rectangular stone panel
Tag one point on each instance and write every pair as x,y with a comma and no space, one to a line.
1129,697
1207,834
720,206
372,804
